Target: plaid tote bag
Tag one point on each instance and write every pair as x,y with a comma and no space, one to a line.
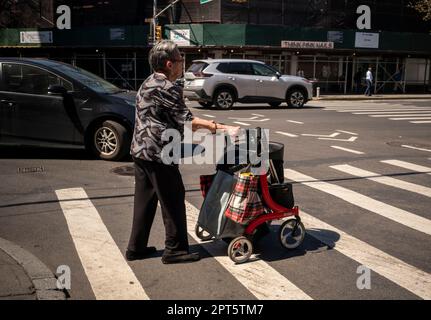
245,204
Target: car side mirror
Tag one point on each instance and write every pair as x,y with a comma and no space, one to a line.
55,89
278,74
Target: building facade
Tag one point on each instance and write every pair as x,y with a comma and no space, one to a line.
331,42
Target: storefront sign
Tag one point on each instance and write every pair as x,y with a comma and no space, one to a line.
117,33
35,36
180,36
335,36
367,40
307,44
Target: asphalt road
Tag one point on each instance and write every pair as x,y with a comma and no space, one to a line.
378,218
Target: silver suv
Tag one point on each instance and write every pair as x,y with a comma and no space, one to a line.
222,82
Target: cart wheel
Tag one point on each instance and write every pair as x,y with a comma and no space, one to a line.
240,249
287,238
202,234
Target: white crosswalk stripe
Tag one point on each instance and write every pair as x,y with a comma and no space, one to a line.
396,183
408,165
110,277
263,281
390,111
396,270
385,210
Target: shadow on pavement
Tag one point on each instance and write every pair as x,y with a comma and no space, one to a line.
36,152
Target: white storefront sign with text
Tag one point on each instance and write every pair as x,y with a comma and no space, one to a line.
367,40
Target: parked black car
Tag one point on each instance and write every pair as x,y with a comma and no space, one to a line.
45,102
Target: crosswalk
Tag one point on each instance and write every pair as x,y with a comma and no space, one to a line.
266,279
390,111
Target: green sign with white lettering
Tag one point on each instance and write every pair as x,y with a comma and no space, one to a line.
205,1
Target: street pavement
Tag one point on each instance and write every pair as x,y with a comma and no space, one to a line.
361,173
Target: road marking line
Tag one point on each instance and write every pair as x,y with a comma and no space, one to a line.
385,210
396,183
287,134
412,118
394,269
373,110
263,281
420,121
110,276
252,118
400,115
348,150
298,122
409,166
411,147
208,115
322,135
355,134
257,114
351,139
241,123
393,111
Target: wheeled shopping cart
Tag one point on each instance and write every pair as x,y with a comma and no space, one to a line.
277,199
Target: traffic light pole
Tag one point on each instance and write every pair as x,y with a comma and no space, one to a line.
154,20
155,15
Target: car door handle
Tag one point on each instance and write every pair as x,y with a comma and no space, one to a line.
9,103
259,80
231,78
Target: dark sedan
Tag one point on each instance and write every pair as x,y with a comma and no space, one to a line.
45,102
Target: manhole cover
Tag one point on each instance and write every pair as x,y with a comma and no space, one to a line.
124,171
406,143
31,169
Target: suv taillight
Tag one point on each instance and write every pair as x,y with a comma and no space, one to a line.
202,75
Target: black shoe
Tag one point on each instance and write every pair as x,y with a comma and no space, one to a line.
185,257
133,255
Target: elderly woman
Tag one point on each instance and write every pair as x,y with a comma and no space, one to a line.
160,106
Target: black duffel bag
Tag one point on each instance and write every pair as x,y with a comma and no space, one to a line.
282,194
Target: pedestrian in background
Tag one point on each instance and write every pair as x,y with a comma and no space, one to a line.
160,106
369,79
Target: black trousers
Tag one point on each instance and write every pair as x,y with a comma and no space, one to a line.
159,182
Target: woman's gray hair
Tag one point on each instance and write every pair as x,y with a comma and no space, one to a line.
162,52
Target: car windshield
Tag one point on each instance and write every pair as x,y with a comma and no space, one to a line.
89,79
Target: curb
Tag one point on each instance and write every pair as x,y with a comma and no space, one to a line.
42,278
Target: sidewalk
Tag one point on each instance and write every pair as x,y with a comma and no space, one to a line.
14,282
359,97
24,277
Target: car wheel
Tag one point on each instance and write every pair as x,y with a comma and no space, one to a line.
205,104
224,99
296,98
110,141
274,104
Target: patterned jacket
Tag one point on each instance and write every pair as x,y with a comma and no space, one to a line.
159,106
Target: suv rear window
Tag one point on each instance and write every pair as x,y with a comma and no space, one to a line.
197,67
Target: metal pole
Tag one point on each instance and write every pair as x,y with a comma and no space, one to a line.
154,20
377,71
135,67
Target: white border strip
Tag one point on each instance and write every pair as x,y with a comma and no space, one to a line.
347,150
415,148
385,210
394,269
110,277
